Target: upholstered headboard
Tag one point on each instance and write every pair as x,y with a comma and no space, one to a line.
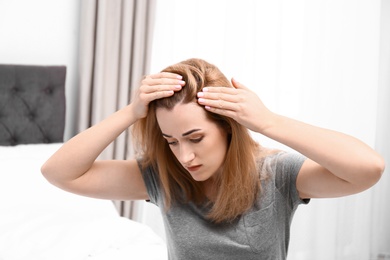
32,104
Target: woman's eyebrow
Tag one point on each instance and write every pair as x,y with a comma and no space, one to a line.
185,134
190,132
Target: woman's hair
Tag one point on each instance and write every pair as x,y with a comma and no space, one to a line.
239,181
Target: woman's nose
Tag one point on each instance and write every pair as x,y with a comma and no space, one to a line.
186,154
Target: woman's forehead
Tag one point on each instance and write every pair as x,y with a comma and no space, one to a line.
182,118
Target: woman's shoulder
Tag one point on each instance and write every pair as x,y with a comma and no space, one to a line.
278,156
273,161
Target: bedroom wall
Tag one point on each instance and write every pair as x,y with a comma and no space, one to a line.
43,32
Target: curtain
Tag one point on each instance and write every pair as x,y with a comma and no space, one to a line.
115,43
322,62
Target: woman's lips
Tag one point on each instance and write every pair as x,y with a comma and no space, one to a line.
193,168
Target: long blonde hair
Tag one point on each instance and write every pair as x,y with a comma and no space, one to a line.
239,181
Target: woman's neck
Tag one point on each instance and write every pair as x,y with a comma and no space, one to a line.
210,190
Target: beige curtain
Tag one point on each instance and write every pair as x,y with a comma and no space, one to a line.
115,48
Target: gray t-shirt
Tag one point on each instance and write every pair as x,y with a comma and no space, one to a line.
261,233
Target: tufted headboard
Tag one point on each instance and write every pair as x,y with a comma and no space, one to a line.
32,104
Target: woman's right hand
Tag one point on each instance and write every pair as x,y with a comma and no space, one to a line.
156,86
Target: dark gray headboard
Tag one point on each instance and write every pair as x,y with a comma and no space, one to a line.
32,104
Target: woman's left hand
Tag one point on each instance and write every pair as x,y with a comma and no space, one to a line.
239,103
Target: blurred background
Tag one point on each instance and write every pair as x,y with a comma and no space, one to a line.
322,62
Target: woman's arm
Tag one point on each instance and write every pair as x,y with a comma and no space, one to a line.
337,164
74,167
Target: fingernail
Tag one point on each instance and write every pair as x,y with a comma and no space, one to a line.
177,86
200,94
179,77
181,82
205,89
201,100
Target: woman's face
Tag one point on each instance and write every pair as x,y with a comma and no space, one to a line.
198,143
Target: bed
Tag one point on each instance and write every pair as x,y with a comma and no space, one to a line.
37,220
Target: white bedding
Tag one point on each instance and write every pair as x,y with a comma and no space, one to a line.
39,221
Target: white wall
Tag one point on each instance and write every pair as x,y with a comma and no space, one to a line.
42,32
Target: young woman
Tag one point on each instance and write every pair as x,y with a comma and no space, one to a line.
222,195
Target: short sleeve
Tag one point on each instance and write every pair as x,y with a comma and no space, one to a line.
286,166
152,183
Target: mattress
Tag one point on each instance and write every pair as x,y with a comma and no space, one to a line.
40,221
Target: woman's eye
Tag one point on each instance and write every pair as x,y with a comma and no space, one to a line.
196,140
172,143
